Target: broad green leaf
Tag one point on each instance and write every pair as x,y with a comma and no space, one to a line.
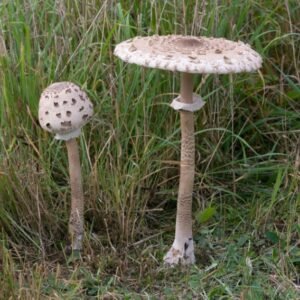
272,236
206,214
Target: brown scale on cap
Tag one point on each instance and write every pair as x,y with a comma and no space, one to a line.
66,123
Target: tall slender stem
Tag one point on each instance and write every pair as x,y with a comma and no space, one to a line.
187,163
76,216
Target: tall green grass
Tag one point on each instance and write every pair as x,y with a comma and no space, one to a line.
247,153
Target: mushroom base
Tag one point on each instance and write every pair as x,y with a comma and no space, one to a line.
76,232
77,242
181,253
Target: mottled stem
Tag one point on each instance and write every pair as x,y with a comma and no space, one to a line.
187,162
182,250
76,216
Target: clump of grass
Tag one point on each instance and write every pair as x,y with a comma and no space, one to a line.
247,135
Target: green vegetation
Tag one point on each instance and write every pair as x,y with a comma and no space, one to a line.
246,200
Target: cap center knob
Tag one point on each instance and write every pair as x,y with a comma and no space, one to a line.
189,42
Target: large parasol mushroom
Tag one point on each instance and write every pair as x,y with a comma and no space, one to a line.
188,55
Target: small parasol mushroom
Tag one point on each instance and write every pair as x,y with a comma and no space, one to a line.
188,55
63,109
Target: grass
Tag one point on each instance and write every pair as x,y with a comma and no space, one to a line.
246,196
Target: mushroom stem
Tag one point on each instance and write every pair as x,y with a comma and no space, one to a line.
76,216
187,161
182,250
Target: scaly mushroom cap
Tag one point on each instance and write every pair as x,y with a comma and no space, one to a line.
190,54
63,109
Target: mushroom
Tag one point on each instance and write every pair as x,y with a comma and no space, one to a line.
188,55
63,109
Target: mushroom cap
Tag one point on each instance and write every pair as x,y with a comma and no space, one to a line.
63,109
190,54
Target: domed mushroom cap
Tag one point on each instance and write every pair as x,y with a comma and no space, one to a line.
63,109
190,54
